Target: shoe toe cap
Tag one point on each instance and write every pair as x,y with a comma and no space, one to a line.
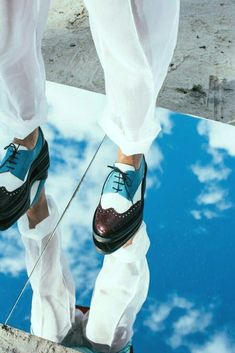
104,223
108,223
9,200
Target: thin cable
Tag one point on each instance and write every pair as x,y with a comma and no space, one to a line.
52,234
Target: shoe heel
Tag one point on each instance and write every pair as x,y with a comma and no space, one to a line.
43,175
41,170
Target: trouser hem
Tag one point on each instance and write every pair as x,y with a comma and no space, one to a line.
129,147
20,129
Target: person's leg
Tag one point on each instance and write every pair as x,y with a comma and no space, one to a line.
135,41
23,173
120,291
53,302
23,105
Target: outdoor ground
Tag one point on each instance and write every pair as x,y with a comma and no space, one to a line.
206,46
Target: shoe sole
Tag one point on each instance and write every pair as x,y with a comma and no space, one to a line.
107,245
106,248
37,172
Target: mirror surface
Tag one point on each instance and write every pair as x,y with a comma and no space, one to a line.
189,212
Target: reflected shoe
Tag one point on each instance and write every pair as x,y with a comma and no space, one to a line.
120,210
23,173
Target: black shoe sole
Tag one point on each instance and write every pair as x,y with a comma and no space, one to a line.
38,171
107,245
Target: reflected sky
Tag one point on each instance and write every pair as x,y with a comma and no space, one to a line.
189,212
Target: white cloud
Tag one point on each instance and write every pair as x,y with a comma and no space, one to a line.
152,182
209,214
165,120
217,155
177,330
155,322
194,321
214,195
154,159
12,260
217,344
220,135
159,312
210,173
224,205
196,214
214,198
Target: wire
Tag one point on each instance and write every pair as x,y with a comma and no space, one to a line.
52,234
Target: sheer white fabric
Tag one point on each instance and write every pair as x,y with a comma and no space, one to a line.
53,302
116,299
135,41
23,105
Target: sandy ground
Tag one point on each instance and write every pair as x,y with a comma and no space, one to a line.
68,48
206,46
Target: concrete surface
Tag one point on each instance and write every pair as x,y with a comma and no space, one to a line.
205,54
15,341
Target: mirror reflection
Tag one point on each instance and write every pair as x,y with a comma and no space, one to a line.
188,222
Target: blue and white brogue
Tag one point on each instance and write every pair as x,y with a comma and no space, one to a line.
23,173
120,210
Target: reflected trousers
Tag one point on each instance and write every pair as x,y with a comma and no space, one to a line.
135,42
108,325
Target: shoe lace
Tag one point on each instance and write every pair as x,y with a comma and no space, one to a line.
10,162
122,180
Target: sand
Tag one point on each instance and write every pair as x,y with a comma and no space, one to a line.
206,46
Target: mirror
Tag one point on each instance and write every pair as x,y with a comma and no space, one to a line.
189,216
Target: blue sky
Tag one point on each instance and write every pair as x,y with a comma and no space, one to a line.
189,212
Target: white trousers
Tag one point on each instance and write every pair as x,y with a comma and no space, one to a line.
135,41
120,290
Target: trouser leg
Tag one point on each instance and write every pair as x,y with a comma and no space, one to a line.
53,302
120,291
23,104
135,56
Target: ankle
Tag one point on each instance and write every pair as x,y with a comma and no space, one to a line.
133,160
35,217
29,141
